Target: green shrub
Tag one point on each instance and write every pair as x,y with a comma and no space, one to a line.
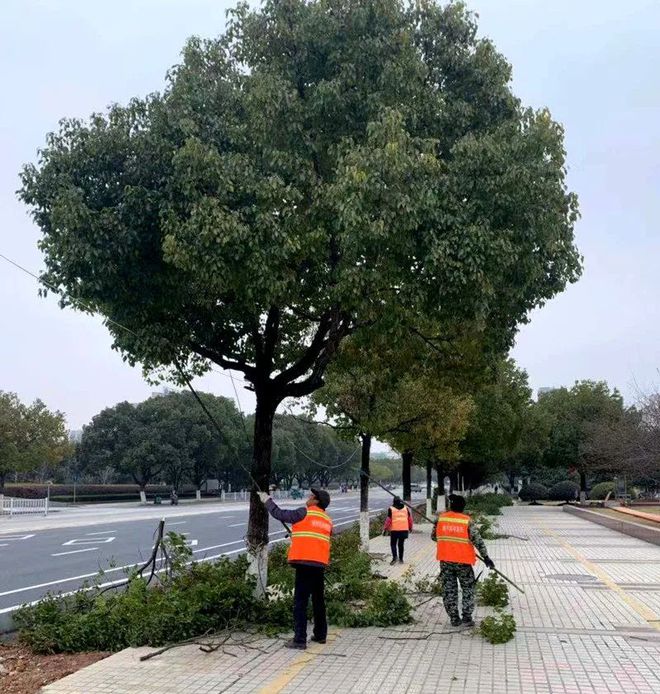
499,628
493,592
206,597
196,599
429,584
386,605
601,490
490,503
533,492
564,491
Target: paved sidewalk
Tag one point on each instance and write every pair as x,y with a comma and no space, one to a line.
589,622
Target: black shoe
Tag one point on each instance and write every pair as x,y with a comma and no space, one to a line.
400,561
468,622
317,640
393,562
296,645
456,621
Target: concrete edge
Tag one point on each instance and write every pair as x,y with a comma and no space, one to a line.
626,527
7,623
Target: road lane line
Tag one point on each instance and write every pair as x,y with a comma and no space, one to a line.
13,608
75,551
129,566
177,523
236,525
83,541
104,532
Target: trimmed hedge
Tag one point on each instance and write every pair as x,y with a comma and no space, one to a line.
533,492
90,492
564,491
601,490
489,503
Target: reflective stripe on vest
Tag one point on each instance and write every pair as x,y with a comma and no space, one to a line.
310,537
453,536
399,518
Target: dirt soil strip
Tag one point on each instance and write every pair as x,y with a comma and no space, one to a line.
22,672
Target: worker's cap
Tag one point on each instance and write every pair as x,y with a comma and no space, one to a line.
322,496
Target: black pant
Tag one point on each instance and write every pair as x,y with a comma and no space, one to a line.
309,582
397,538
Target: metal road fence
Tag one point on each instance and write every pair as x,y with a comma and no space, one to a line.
9,506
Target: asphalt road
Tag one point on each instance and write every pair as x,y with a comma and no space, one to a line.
61,559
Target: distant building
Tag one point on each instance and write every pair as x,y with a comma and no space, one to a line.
75,435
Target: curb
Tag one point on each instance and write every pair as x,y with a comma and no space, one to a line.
626,527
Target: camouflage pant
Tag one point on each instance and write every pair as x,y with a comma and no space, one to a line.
451,574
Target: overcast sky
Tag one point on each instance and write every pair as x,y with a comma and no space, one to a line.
594,63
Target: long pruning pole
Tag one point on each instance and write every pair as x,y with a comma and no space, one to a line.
363,473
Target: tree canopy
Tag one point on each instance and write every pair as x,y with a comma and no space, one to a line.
30,436
320,167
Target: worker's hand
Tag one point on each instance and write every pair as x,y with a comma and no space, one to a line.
489,562
264,496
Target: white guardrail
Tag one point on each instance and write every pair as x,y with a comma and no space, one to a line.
9,506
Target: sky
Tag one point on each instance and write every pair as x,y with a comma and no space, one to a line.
592,62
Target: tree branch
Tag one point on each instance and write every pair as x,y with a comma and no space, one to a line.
306,362
220,360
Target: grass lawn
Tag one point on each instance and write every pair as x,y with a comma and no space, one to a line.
655,510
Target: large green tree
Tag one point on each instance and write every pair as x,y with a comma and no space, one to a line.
164,437
575,415
321,165
31,436
497,424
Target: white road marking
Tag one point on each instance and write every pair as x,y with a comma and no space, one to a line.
127,566
4,545
192,543
74,551
88,541
16,537
13,608
237,525
177,523
225,544
104,532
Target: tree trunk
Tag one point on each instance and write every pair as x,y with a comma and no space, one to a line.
406,460
257,533
429,487
364,492
439,478
583,485
3,476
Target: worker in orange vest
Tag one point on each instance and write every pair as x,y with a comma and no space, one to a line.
309,554
457,536
398,522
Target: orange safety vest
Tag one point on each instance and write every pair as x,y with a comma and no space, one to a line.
453,539
399,518
310,537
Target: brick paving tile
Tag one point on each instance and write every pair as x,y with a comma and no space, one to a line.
589,622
